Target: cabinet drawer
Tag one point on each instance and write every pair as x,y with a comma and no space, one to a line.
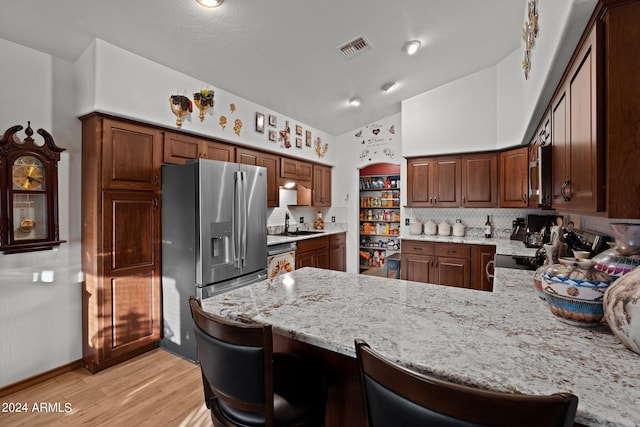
337,239
307,245
416,247
456,250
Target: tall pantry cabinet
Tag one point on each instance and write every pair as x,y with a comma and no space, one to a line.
120,239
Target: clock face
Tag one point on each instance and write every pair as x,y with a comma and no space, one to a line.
28,174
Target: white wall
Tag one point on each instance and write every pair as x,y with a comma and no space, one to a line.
375,142
457,117
131,86
40,323
496,107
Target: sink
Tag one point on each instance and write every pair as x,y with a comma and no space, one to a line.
298,233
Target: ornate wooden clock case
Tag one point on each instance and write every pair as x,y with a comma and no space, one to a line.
29,199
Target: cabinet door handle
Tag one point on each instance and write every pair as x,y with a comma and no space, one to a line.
486,270
155,203
157,180
563,190
524,199
435,200
431,199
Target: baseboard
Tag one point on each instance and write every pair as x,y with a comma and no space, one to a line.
28,382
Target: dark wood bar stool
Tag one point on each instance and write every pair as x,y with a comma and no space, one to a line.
247,384
396,396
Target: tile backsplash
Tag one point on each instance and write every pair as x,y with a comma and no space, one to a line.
501,219
473,219
275,216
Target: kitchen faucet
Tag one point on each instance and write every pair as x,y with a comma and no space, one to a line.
286,222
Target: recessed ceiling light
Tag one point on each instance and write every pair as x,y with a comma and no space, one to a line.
388,86
210,3
355,102
411,47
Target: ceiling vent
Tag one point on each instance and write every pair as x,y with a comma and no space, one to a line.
353,47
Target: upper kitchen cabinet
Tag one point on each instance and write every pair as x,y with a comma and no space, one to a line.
576,148
480,180
131,153
179,147
269,161
321,186
434,182
595,111
514,178
296,169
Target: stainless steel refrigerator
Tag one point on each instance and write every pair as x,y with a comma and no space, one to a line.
214,239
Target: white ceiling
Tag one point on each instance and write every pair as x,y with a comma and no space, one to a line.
282,54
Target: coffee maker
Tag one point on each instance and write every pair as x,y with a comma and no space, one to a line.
518,229
537,229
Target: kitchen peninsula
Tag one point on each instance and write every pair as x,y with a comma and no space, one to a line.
505,340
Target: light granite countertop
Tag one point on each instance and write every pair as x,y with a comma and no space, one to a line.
505,340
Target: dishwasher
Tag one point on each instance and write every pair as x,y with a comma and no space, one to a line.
281,259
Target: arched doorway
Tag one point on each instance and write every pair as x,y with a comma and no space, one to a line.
379,220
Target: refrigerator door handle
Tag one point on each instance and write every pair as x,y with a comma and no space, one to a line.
244,218
237,209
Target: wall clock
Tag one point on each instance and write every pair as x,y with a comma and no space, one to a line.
29,199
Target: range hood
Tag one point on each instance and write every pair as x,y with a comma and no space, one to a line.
302,189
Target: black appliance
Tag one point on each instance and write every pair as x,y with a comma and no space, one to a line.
518,230
520,262
538,228
587,240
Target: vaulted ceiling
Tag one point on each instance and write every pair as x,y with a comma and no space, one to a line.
282,54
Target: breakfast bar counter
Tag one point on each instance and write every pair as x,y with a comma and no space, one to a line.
505,340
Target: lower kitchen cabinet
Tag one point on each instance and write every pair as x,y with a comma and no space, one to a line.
313,253
338,252
327,252
450,264
482,257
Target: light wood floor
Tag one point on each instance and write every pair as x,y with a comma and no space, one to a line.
154,389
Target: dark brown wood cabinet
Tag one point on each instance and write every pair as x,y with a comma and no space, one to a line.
269,161
338,252
417,261
482,257
296,169
514,178
313,252
180,147
480,180
434,182
321,190
577,150
595,141
450,264
120,239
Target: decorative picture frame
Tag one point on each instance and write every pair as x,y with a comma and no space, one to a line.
273,120
298,142
273,135
259,122
308,138
298,130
